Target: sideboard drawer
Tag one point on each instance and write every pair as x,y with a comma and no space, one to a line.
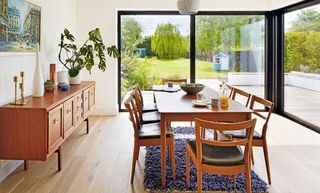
86,101
77,107
92,97
77,119
68,116
78,97
55,127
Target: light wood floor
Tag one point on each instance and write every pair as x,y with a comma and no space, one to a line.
101,161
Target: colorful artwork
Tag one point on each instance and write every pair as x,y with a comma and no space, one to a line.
19,26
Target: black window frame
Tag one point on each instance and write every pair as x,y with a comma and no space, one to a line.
278,95
193,41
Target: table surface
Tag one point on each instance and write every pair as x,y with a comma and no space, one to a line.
180,102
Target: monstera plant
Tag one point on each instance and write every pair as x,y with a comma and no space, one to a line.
91,53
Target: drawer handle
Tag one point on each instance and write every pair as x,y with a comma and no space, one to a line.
68,111
78,98
78,118
85,98
55,121
78,108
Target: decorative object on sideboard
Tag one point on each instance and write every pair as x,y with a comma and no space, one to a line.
62,76
63,86
38,88
49,86
53,74
84,57
188,7
21,101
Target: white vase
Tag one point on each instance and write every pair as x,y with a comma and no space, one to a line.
188,7
62,76
38,83
77,79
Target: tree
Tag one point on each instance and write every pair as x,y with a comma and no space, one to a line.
168,43
130,34
307,21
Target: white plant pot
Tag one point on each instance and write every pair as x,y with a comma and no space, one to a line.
77,79
63,76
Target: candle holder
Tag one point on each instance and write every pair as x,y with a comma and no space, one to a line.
22,101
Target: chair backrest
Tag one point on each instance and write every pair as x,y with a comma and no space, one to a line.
137,99
267,104
130,105
246,95
230,90
137,88
175,81
202,125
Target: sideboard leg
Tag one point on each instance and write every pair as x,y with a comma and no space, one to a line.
59,158
87,120
25,165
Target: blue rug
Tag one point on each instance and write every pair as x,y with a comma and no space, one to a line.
152,178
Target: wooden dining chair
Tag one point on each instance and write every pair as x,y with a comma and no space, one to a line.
145,117
175,81
259,140
147,135
236,92
146,107
223,157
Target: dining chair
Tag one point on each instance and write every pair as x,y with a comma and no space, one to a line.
147,135
146,107
236,92
259,140
175,81
144,117
223,157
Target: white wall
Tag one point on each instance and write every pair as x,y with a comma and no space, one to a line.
103,14
56,15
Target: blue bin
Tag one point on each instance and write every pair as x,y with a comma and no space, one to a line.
217,67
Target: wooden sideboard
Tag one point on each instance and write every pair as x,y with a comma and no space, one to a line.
37,130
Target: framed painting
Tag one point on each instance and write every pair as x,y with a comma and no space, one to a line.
20,23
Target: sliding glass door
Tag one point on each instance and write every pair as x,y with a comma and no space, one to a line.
302,64
231,48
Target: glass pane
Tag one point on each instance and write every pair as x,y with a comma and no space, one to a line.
153,48
302,66
231,48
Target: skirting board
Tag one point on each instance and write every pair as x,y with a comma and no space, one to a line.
9,168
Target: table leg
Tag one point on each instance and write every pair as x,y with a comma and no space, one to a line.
163,150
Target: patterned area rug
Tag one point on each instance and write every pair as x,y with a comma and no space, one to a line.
152,178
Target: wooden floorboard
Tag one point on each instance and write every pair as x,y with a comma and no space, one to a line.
101,161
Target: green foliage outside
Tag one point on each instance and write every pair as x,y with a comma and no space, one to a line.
168,43
302,42
131,35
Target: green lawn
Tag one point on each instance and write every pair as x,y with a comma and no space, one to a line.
180,68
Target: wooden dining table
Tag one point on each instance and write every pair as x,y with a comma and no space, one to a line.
178,107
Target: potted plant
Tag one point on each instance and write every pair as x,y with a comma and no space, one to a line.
86,56
49,86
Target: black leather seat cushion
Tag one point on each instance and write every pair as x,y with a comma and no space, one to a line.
151,117
149,107
219,156
241,134
152,131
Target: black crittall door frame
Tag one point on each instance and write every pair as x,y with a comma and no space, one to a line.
274,51
279,63
193,41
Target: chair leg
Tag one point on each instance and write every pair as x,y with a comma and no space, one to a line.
266,159
234,180
169,151
134,160
228,179
199,179
173,161
248,177
187,167
251,156
215,133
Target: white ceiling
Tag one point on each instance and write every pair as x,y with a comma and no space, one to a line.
281,3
